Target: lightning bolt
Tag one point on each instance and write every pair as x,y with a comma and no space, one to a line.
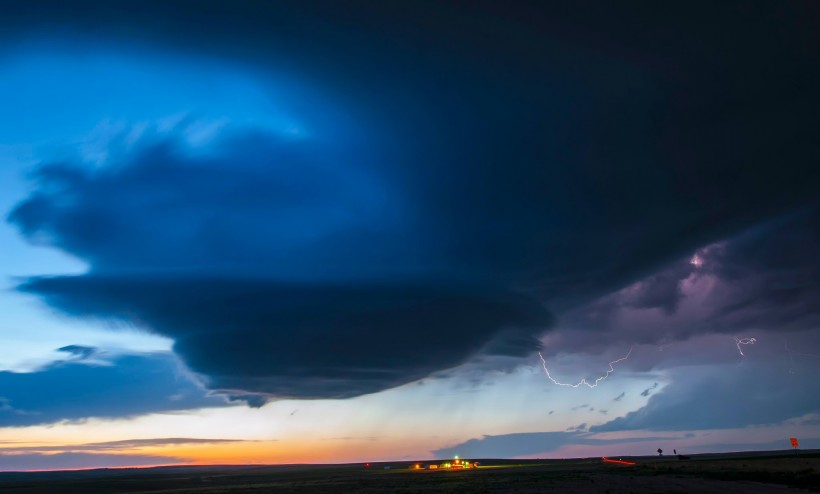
744,341
584,381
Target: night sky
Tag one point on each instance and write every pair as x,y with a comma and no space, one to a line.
281,232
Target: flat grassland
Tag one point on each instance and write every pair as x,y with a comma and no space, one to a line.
761,472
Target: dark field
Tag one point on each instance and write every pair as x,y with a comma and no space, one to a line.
726,473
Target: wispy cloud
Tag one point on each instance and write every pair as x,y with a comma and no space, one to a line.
123,445
73,460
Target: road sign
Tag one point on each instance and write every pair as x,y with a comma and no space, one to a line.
795,444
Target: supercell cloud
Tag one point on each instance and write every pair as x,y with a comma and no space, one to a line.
274,271
517,174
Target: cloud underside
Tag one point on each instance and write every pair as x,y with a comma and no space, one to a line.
297,341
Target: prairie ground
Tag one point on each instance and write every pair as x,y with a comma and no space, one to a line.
719,474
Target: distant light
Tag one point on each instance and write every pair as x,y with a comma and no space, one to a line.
621,462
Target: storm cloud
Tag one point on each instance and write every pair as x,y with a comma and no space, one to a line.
762,281
308,341
501,191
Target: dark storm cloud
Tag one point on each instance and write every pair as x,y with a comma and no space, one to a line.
556,153
307,341
129,385
765,279
245,207
254,213
661,290
218,241
582,150
775,271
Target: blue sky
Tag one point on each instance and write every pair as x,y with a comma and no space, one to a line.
357,239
